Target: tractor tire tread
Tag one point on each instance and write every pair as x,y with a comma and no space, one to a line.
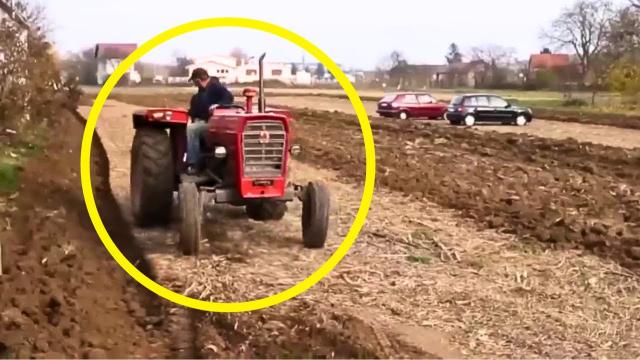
315,215
152,158
191,219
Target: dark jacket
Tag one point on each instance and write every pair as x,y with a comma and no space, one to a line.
214,93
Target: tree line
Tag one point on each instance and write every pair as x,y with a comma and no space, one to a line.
604,39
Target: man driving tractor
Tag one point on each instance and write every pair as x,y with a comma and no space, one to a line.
210,92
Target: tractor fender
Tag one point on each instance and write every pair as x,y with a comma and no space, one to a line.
160,118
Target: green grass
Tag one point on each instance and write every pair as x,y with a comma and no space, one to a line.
9,177
13,155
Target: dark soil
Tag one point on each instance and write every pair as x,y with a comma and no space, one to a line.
291,330
63,295
575,116
305,330
562,193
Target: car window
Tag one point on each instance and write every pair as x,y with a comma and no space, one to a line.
456,100
497,102
388,98
410,99
482,101
471,101
426,99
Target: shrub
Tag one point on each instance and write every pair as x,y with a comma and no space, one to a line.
546,79
30,81
624,77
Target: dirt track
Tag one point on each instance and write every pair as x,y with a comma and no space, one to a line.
597,134
419,273
244,260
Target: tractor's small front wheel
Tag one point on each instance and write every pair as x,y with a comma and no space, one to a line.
191,213
315,215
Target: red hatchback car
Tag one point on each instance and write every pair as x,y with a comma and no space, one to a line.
411,104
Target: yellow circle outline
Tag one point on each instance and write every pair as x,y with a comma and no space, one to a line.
325,268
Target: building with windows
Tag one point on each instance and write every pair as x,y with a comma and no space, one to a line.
110,56
231,70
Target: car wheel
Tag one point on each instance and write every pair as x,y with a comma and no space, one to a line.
521,120
469,120
403,115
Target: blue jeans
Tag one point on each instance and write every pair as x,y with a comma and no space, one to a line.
195,131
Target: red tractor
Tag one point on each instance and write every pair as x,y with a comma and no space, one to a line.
246,160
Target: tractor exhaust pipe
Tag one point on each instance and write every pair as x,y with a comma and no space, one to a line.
261,102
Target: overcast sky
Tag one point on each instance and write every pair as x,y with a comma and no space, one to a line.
353,33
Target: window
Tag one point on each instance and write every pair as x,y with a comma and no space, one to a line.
426,99
483,101
498,102
456,100
410,99
388,98
252,72
276,72
470,101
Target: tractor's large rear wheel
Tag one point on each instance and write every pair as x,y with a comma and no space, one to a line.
191,213
152,177
266,210
315,215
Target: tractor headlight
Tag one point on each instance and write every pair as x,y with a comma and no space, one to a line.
295,150
220,152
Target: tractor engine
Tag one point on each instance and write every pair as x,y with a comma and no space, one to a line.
250,151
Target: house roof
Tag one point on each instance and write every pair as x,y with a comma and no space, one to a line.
114,51
14,15
427,69
464,67
546,61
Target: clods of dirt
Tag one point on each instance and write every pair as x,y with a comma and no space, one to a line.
563,193
63,295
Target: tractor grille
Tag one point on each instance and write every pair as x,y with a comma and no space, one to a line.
264,145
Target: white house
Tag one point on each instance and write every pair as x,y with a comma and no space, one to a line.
229,70
303,78
248,72
110,56
224,67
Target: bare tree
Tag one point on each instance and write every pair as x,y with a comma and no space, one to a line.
583,28
397,58
635,3
493,54
454,56
623,39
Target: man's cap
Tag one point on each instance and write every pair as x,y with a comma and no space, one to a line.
199,73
